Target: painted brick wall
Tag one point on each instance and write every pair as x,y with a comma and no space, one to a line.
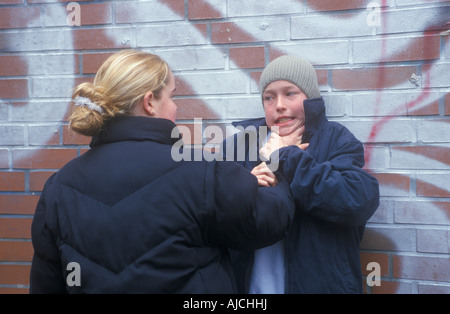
383,68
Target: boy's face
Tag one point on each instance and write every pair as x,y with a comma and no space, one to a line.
283,106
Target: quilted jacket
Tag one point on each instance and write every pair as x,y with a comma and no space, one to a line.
134,220
334,198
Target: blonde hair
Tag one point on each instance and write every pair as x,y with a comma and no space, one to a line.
119,85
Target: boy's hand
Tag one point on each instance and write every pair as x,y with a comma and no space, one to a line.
276,142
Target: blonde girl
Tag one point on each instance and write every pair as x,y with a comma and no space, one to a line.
125,217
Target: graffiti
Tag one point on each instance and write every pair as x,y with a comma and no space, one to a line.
213,82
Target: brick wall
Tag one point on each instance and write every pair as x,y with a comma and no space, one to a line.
383,70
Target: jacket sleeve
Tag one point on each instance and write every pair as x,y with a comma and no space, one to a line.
245,216
337,189
46,274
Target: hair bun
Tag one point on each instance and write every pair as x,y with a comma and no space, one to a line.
87,114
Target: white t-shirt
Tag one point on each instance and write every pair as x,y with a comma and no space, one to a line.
268,267
268,270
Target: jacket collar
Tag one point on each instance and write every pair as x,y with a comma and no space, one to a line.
314,115
134,128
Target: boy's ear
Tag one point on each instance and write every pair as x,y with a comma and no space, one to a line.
147,105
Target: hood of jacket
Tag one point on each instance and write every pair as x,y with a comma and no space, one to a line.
137,128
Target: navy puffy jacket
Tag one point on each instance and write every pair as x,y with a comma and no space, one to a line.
136,221
334,198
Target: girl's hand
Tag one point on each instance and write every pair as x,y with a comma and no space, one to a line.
264,175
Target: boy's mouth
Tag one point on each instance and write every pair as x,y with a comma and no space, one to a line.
283,120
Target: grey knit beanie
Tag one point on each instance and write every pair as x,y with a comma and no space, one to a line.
292,69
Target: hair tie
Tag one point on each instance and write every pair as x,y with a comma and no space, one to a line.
84,101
